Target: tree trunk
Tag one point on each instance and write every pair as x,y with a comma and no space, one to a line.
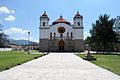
104,48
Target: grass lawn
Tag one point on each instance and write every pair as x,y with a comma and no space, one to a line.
110,62
9,59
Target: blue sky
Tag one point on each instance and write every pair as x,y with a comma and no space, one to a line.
20,16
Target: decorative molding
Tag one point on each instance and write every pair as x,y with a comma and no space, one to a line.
78,27
44,28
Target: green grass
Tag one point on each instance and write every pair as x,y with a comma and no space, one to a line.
110,62
10,59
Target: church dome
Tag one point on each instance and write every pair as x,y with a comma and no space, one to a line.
44,14
78,15
61,20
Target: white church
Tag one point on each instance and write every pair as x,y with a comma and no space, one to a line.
61,35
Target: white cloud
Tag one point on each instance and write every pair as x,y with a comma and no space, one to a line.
31,39
10,18
4,10
14,30
18,34
12,11
86,34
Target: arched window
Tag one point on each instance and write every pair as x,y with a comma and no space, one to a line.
71,34
50,34
61,35
43,23
67,34
78,23
54,34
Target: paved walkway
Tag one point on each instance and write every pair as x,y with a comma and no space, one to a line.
58,66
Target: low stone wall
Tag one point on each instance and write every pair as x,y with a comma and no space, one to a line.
5,49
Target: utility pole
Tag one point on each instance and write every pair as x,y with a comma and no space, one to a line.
28,41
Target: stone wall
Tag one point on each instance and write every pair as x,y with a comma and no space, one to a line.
43,45
70,45
79,44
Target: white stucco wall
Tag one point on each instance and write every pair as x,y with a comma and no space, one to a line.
44,33
78,20
78,33
5,49
46,23
55,27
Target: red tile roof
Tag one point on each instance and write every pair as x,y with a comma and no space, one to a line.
61,20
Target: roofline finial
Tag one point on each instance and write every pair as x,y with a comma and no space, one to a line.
44,12
77,12
61,16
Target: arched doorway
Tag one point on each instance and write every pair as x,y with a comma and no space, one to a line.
61,45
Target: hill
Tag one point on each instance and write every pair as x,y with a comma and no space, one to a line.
21,42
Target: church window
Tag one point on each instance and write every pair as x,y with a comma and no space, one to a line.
43,23
71,34
78,23
50,34
54,34
61,29
61,35
67,34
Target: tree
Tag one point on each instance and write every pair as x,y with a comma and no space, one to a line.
117,30
3,38
117,27
102,34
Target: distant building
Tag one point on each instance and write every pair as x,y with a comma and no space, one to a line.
16,47
20,47
61,35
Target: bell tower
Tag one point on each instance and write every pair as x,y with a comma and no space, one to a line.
44,20
44,32
78,32
78,20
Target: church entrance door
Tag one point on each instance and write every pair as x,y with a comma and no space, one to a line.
61,45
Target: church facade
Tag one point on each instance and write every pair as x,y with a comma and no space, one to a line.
61,35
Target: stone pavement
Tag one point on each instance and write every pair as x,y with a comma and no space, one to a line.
58,66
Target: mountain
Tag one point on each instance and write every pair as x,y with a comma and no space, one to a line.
21,42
